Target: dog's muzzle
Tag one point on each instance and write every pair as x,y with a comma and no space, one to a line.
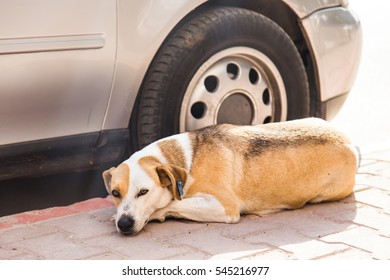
126,225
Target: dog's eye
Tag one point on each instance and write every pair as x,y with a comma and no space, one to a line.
142,192
116,194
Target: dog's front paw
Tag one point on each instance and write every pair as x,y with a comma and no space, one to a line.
159,215
113,218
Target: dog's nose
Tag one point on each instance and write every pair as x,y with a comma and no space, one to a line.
125,224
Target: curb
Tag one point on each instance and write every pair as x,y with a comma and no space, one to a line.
8,222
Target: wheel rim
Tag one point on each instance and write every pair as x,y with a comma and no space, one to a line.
238,85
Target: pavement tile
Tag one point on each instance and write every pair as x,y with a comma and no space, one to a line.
277,237
24,256
375,181
212,242
238,255
365,239
83,226
140,247
382,155
189,255
385,173
310,222
348,254
56,246
376,198
373,218
249,225
23,232
368,216
8,253
377,167
366,162
346,207
312,249
171,228
106,256
319,227
275,254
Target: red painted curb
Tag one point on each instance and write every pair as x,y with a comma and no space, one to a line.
55,212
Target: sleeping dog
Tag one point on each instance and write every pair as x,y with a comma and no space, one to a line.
216,173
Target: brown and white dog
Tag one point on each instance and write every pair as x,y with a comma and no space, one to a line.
216,173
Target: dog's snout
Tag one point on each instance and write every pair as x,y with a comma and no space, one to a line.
125,224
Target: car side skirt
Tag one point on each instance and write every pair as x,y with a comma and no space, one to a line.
71,153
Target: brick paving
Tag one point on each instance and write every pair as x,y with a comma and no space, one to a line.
357,227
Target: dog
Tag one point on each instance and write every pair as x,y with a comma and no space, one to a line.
217,173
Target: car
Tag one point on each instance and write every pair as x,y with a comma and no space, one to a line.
85,83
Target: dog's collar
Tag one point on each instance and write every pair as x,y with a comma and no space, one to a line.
179,186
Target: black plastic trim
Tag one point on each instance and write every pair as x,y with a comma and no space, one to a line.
70,153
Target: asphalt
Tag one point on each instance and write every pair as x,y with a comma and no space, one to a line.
357,227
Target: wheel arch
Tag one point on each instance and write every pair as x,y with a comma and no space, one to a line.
289,20
285,17
290,23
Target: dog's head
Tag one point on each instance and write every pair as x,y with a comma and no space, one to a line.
139,187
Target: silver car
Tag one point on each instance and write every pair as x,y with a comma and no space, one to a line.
83,83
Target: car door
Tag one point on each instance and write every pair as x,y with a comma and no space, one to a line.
56,67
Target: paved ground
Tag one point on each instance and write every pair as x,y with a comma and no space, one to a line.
356,228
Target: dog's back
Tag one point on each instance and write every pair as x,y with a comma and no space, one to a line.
266,168
258,139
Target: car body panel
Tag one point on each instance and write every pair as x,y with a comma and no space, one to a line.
304,8
56,67
336,42
142,28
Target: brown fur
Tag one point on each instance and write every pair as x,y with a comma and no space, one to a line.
164,175
271,167
149,164
118,179
173,153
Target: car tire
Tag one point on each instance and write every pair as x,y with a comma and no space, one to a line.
220,65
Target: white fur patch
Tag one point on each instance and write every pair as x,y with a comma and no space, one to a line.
186,145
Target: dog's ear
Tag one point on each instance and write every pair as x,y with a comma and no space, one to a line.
172,177
107,175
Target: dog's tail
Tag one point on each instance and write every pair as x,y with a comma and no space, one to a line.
358,155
